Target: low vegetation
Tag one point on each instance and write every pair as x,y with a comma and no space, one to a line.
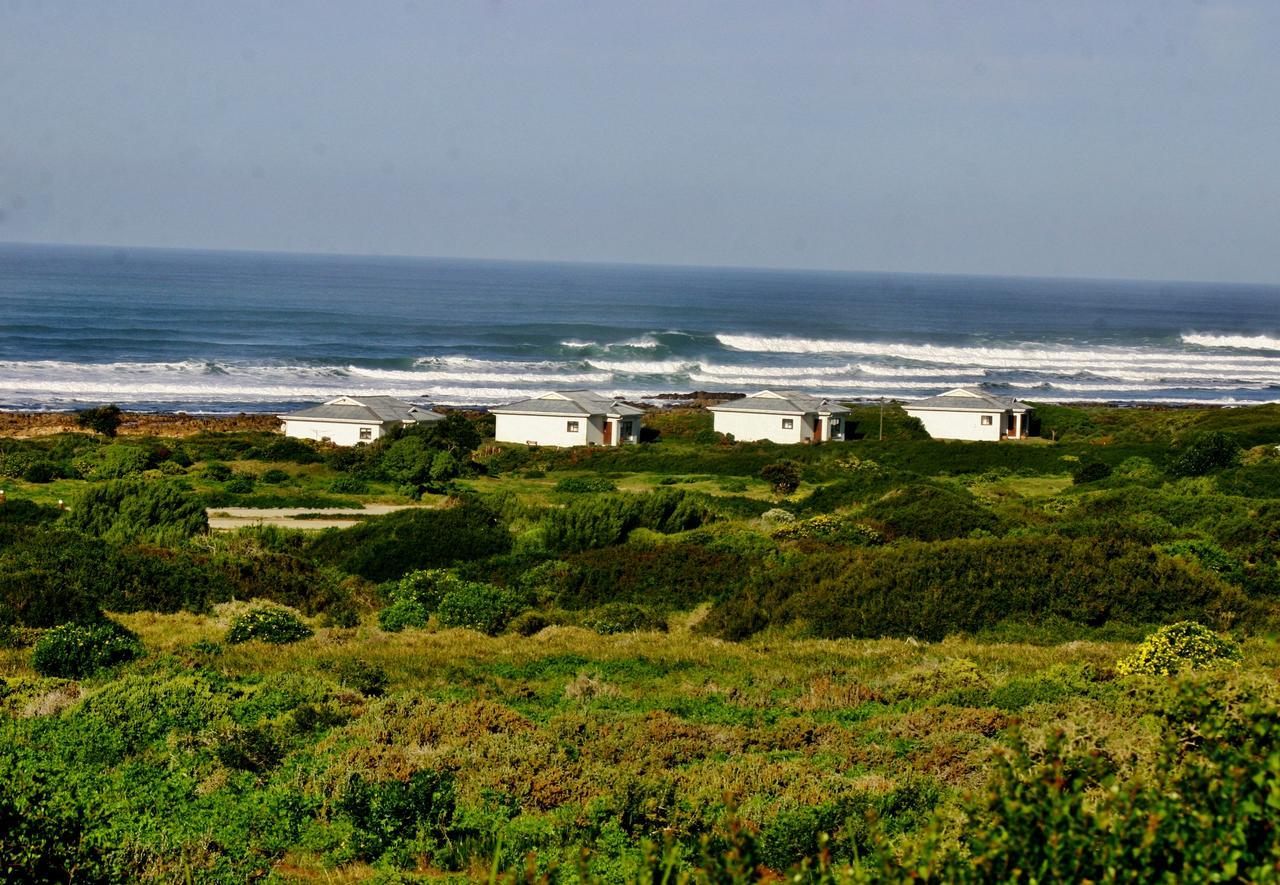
692,660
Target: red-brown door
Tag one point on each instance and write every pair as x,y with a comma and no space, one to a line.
817,430
608,433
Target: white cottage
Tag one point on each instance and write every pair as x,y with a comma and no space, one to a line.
782,416
971,413
349,420
568,418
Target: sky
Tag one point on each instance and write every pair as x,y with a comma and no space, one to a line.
1085,139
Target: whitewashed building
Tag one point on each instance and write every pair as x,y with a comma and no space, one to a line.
783,416
971,413
568,418
350,420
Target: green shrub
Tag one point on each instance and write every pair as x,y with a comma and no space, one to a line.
348,485
239,485
784,476
930,590
425,587
116,461
385,815
1206,453
605,520
134,509
386,547
843,528
403,613
1178,647
268,623
1062,813
275,476
216,471
1090,471
527,623
370,680
928,513
623,617
585,484
73,651
40,472
482,607
100,419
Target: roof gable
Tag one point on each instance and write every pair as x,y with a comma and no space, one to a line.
365,410
788,402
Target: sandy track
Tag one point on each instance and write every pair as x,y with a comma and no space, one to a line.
287,517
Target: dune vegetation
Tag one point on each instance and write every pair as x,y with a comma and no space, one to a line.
1050,659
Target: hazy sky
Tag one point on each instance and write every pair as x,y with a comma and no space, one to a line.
1078,138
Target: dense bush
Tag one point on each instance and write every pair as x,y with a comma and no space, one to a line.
1206,453
241,484
386,547
137,510
100,419
1179,647
1090,471
1067,814
929,513
116,461
623,617
784,476
605,520
268,623
930,590
585,484
843,529
403,613
348,485
482,607
73,651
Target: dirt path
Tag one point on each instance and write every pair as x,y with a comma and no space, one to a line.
287,517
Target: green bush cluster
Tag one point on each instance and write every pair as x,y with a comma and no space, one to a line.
387,547
930,590
484,607
623,617
605,520
1178,647
579,485
841,528
74,651
137,510
268,623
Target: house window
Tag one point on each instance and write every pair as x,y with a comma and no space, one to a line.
986,420
366,433
571,427
626,429
788,424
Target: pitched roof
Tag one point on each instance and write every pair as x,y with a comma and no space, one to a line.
788,402
968,399
570,402
366,410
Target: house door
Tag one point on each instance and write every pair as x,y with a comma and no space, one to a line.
817,430
608,433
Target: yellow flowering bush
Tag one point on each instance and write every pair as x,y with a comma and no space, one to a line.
1174,648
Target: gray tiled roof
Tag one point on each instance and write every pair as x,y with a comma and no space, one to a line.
569,402
968,399
787,402
368,410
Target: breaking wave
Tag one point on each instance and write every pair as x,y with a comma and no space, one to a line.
1240,342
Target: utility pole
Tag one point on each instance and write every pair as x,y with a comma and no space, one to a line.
882,419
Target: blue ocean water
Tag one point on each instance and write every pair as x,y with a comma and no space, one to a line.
219,331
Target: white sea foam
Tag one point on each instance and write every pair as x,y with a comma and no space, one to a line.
1024,357
737,371
1243,342
642,367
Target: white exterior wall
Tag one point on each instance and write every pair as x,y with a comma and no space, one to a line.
752,426
544,430
960,425
338,432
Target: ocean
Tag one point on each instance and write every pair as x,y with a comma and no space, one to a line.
228,332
